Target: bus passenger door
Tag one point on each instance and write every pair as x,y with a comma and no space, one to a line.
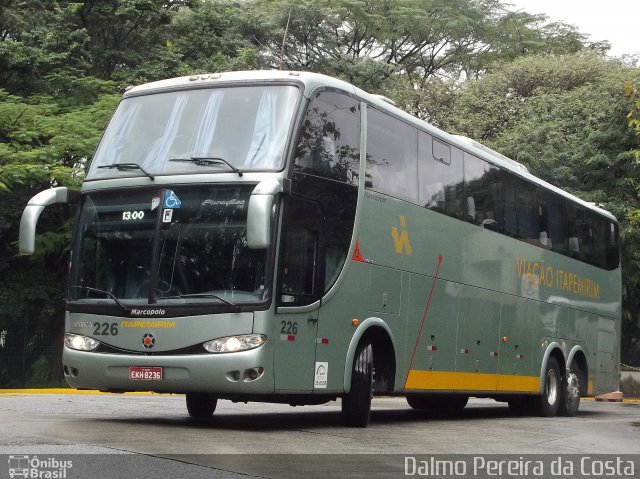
298,296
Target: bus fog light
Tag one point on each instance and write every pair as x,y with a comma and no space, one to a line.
80,343
234,344
253,373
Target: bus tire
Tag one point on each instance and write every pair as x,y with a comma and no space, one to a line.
548,403
570,401
356,405
201,405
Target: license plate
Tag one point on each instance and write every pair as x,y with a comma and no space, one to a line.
145,374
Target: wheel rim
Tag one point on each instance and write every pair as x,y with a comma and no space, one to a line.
551,387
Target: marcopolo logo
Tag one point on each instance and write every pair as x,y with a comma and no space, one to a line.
148,312
38,468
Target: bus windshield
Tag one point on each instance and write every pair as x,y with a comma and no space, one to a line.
171,245
197,131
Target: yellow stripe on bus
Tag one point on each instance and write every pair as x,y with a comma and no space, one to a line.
458,381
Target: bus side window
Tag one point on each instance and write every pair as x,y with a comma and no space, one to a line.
551,221
612,245
325,172
483,190
520,210
329,144
301,255
600,233
391,156
441,176
574,221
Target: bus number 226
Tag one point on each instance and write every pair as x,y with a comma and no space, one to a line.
289,328
105,329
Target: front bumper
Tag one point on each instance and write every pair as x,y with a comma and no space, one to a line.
221,374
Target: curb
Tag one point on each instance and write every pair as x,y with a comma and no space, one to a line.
73,391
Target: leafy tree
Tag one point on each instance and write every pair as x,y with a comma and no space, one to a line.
374,44
45,140
634,112
209,36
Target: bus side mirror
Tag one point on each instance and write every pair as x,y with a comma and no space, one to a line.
259,212
32,212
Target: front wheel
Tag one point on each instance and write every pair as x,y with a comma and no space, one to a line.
201,405
356,405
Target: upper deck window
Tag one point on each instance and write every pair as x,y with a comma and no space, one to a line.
392,163
329,144
164,132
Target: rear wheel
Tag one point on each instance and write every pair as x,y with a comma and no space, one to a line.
356,405
571,388
548,403
201,405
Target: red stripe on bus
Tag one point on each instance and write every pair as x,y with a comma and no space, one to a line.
424,317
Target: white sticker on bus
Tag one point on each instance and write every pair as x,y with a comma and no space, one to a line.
322,370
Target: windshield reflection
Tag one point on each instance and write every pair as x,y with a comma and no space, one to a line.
247,127
201,253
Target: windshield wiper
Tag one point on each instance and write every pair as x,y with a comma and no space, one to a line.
102,291
127,167
203,295
206,161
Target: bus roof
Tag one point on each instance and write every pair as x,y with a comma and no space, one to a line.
310,81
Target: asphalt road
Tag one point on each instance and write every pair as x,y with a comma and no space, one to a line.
152,436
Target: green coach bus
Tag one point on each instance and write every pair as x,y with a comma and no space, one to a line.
286,237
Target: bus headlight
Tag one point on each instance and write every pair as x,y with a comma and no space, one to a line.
234,344
81,343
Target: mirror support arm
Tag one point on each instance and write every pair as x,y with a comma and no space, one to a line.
32,211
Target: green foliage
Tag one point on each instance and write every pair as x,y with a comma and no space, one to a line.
633,115
45,140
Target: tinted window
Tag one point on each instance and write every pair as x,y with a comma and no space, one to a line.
551,221
601,232
440,176
391,156
483,190
441,152
612,245
337,208
124,249
521,212
299,272
578,231
330,138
